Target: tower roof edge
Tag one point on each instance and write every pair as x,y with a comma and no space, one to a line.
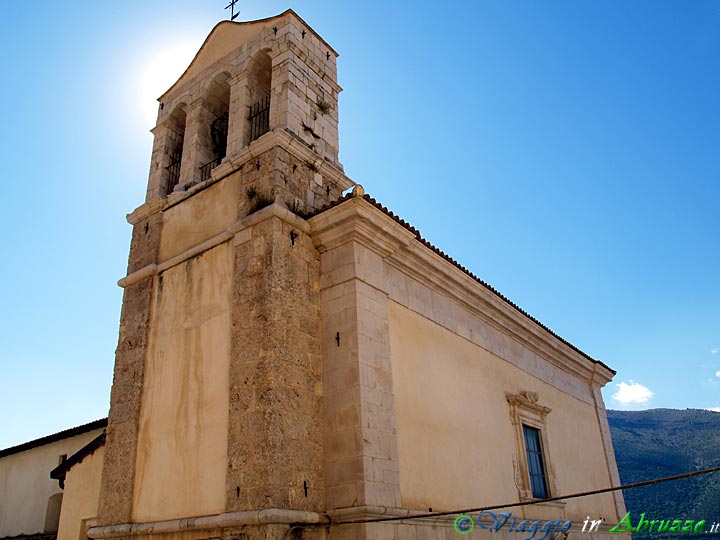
217,45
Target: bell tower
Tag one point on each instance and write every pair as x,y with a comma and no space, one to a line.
247,80
215,425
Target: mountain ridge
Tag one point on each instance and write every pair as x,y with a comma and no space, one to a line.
664,442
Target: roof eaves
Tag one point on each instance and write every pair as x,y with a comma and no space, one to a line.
60,435
246,23
58,473
452,261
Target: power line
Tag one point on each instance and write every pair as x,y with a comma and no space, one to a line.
526,503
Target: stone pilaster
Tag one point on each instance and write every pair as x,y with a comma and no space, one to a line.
275,420
609,451
159,161
239,126
196,152
361,456
360,443
118,478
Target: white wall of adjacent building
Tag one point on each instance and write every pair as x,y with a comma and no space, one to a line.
29,499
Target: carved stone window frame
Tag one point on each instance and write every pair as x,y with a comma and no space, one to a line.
524,410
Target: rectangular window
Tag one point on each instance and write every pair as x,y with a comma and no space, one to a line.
536,465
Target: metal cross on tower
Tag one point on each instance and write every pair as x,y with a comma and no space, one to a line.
231,5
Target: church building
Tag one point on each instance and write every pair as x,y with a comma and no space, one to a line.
295,360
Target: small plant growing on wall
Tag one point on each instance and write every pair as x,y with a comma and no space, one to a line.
258,201
323,106
297,208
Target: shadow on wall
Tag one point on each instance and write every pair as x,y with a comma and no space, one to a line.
52,516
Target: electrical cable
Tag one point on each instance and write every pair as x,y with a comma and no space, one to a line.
527,503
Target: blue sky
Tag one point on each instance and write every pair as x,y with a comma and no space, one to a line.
566,152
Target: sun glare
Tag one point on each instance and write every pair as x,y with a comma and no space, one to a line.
160,72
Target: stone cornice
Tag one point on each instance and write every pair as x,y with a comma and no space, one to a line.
274,210
444,278
160,126
290,142
527,401
144,211
492,310
402,515
296,147
358,220
203,523
601,375
233,163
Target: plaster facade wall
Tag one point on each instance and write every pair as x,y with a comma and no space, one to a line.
456,441
80,501
26,486
206,214
182,444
